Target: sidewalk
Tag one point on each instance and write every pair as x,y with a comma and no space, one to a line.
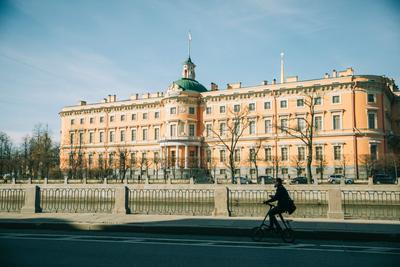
203,225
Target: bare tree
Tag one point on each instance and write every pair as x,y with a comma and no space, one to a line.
229,134
303,128
254,155
368,163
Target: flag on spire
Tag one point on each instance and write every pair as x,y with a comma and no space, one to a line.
190,36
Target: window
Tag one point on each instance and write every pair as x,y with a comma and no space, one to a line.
337,152
145,116
156,114
301,153
156,133
268,126
371,98
144,134
208,110
133,117
236,108
301,124
252,154
91,120
72,121
208,156
371,120
101,119
91,137
133,158
237,126
317,101
318,153
133,135
71,138
284,171
90,159
336,122
191,130
122,117
237,155
374,151
300,102
283,103
80,138
284,153
110,159
252,171
101,137
237,172
222,128
101,160
284,125
252,107
81,121
172,130
338,170
335,99
268,154
111,136
222,109
252,127
156,157
267,105
192,110
318,123
222,156
172,110
208,129
111,118
222,172
268,171
122,136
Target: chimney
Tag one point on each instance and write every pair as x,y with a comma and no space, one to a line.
82,103
214,87
104,100
264,83
109,98
274,81
334,74
137,96
326,76
234,85
114,98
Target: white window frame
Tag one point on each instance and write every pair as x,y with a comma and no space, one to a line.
374,98
268,130
280,104
375,119
255,107
340,99
340,121
269,105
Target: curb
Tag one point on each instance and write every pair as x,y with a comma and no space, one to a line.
200,230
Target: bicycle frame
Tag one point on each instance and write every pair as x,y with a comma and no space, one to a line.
284,222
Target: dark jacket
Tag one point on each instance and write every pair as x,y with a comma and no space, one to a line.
283,198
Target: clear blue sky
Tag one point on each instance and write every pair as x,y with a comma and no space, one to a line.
54,53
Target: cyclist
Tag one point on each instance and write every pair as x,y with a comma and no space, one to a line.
284,201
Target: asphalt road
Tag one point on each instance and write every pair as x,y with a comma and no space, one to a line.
51,248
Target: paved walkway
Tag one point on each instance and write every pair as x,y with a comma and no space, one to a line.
304,228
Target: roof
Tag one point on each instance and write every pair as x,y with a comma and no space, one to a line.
190,85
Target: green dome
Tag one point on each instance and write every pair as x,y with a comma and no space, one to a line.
190,85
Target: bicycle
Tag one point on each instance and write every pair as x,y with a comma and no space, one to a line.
286,232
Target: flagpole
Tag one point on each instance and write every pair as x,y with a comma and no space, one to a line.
189,41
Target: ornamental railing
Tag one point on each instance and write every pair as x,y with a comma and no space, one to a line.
371,204
77,200
11,200
171,201
309,203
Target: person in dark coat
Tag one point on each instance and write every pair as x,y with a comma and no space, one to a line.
283,198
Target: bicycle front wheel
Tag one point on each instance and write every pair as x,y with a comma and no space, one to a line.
257,234
287,235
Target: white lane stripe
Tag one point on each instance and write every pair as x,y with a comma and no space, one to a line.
214,244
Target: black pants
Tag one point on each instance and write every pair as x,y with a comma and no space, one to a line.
272,219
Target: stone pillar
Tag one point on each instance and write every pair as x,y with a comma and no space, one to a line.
370,180
66,180
198,157
186,156
105,180
30,180
46,180
146,181
177,157
335,210
13,180
84,180
221,201
121,200
32,200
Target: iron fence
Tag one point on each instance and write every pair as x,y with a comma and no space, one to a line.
371,204
310,203
11,200
171,201
77,200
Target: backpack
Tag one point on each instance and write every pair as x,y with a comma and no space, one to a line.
292,207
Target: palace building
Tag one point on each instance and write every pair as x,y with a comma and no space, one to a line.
187,129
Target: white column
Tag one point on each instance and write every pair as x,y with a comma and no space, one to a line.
186,156
177,157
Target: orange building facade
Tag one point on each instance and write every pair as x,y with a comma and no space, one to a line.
158,134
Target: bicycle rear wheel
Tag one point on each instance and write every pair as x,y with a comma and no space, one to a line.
257,234
287,235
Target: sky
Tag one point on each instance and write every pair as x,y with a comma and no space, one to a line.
54,53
